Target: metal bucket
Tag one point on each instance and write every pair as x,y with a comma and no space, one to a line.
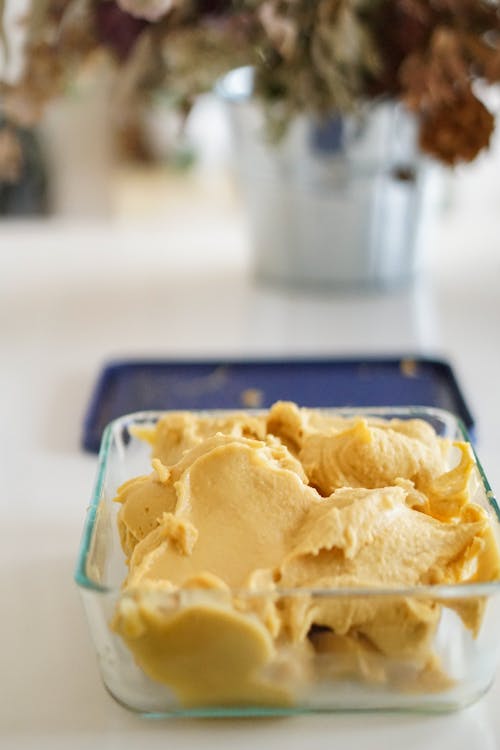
340,203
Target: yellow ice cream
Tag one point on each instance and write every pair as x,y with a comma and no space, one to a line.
243,516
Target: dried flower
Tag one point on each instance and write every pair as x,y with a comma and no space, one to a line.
457,132
11,156
214,43
281,29
315,56
24,102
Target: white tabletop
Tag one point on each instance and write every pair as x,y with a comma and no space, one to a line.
74,295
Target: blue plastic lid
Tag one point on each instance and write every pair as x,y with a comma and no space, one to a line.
127,386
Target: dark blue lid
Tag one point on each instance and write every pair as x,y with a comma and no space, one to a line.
135,385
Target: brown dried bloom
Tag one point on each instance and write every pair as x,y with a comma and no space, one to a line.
438,76
76,31
24,102
457,132
485,54
11,156
436,79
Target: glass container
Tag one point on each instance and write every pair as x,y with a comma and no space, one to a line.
291,681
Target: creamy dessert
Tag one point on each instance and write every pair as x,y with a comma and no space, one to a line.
246,517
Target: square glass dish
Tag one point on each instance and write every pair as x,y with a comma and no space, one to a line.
228,670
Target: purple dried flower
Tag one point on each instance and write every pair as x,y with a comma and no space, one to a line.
117,29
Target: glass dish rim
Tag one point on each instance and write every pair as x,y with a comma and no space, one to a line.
436,591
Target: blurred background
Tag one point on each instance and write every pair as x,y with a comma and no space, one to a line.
81,159
80,168
128,227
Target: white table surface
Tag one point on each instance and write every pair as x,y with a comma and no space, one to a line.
75,295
